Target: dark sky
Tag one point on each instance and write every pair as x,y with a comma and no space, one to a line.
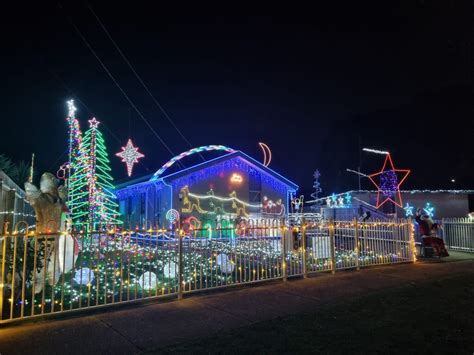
307,81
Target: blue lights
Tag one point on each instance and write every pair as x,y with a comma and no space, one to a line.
429,210
408,210
228,166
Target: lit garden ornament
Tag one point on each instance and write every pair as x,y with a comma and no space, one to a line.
84,276
348,199
224,263
328,201
172,215
429,210
148,280
340,201
170,270
408,210
130,156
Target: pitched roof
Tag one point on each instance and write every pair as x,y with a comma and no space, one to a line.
256,164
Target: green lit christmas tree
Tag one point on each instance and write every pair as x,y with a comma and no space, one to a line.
91,202
77,185
101,205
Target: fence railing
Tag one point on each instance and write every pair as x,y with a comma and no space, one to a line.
48,273
458,234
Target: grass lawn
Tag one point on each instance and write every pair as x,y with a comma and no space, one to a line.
430,317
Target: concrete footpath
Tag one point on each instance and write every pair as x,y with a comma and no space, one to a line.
142,328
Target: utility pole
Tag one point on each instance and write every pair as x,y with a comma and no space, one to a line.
360,158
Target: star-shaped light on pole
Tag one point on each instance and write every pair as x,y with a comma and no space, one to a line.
389,183
130,156
93,123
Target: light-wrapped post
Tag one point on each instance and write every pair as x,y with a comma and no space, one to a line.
2,268
285,230
356,244
303,246
331,228
180,264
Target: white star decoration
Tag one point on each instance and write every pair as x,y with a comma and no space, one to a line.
93,123
130,156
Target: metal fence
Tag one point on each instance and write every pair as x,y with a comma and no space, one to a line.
458,234
42,274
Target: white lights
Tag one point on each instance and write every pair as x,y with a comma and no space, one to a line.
130,156
225,199
369,150
93,123
71,109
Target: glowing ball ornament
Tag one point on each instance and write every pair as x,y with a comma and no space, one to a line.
224,263
170,270
84,276
172,215
148,280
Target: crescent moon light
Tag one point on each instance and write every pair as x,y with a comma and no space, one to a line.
267,154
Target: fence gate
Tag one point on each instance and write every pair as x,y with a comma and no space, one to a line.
459,234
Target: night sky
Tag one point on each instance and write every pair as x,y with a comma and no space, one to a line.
315,84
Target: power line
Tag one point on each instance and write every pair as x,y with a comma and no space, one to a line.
79,33
139,78
68,89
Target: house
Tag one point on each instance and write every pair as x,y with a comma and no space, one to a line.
210,194
437,203
15,211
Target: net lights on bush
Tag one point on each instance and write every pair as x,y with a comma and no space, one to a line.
388,184
130,156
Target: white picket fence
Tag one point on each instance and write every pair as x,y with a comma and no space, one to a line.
458,234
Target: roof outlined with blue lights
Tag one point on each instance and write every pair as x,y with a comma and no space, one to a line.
192,171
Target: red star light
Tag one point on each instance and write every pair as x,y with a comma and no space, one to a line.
130,156
389,183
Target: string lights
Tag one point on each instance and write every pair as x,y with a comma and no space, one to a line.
389,184
130,156
267,154
376,151
205,148
93,202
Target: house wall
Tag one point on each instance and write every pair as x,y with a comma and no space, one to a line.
259,195
144,205
238,189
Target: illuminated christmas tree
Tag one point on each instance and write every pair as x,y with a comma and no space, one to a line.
92,203
101,205
77,168
317,189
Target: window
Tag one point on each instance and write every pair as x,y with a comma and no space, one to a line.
255,188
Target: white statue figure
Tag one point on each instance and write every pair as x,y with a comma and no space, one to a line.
51,217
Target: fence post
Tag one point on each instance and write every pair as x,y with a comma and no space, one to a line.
411,233
283,253
4,234
331,228
180,264
356,243
303,246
